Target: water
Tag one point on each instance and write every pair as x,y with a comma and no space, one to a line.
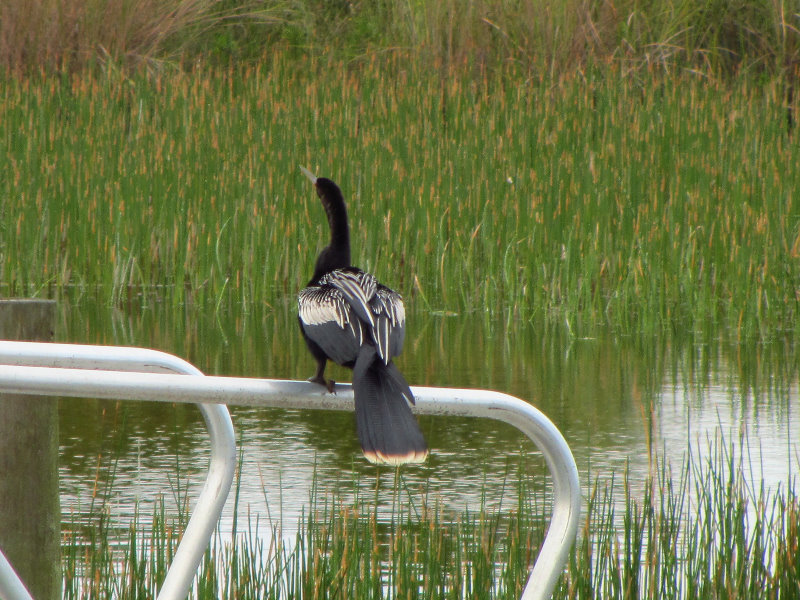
619,402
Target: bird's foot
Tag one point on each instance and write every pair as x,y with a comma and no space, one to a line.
328,384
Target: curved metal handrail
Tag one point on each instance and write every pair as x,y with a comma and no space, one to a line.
222,461
295,394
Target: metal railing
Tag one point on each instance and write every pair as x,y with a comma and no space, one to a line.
63,370
222,462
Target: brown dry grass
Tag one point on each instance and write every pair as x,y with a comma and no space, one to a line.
712,36
69,34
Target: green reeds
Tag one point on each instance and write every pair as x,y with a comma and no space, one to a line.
645,206
707,531
340,549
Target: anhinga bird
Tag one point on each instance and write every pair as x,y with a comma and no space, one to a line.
348,317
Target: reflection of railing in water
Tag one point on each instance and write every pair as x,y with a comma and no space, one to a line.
120,373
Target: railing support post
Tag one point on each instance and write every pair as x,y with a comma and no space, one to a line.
30,511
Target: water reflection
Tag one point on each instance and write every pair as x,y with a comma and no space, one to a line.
618,402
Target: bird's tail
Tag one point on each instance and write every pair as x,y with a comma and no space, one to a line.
387,429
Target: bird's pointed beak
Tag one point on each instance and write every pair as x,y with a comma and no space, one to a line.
309,174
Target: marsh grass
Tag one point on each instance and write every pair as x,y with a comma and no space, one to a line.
704,531
600,200
708,530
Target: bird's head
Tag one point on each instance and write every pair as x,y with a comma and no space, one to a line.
327,190
337,254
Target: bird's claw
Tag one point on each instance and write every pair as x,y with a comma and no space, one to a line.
328,384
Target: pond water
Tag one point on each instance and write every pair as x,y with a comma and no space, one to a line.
619,402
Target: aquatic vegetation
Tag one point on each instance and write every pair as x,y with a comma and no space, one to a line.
703,532
649,206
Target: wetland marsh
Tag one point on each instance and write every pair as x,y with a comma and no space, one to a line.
621,249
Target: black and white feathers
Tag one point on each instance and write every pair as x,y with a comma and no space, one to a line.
347,308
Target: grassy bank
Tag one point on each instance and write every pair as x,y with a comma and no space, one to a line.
719,37
597,199
703,531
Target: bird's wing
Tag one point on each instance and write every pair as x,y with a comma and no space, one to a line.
328,320
357,288
380,309
390,319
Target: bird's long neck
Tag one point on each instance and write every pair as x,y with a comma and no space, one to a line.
335,255
340,230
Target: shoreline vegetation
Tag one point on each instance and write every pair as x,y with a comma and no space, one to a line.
704,531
